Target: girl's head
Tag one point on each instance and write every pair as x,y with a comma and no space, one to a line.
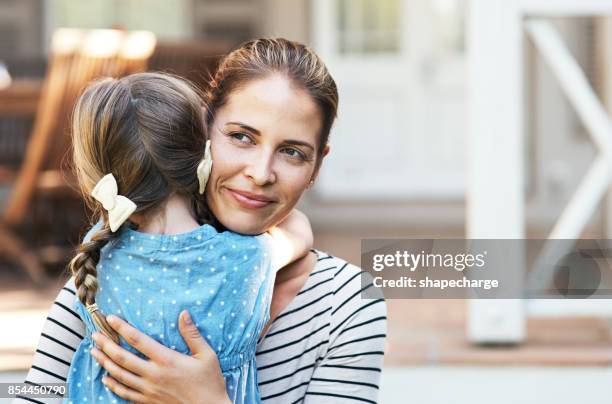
147,130
271,106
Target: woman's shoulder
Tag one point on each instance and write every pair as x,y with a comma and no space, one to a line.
331,318
327,341
353,296
345,276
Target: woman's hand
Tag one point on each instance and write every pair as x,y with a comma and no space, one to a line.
168,376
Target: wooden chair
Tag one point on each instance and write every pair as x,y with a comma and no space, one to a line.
76,58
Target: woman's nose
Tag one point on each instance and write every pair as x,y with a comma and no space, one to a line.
261,171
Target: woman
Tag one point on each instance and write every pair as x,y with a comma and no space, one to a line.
271,107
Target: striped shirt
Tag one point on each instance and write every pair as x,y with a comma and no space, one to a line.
326,346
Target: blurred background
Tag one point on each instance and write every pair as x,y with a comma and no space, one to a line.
405,162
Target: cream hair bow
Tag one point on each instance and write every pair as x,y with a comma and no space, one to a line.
118,206
204,168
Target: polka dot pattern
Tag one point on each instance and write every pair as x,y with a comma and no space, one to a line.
224,279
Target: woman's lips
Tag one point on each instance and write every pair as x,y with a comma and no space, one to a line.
248,200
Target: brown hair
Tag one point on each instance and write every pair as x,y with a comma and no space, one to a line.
259,58
147,130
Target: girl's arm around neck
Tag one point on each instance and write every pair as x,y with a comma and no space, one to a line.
291,239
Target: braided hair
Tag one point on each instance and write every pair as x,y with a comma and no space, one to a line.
83,267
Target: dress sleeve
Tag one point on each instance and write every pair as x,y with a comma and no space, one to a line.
350,369
62,332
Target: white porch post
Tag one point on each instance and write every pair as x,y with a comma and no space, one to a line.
494,197
604,33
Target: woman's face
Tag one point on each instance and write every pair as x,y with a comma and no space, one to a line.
264,149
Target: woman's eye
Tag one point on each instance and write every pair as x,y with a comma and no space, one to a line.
240,137
294,153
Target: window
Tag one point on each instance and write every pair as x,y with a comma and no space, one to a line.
449,26
167,19
368,26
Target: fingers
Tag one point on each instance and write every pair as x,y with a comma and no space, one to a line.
190,333
127,379
142,342
120,356
123,391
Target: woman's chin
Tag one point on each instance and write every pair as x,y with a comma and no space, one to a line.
245,224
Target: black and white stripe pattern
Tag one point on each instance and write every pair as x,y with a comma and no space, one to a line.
62,332
326,346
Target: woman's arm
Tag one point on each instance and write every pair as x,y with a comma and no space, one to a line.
168,376
291,239
351,366
62,332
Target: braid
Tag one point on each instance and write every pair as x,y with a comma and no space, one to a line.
84,268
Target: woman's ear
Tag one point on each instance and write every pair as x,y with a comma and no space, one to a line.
325,151
318,166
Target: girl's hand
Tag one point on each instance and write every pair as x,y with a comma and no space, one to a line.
168,376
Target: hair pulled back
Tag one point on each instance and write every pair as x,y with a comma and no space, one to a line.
260,58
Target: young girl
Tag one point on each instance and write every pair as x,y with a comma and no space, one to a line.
138,152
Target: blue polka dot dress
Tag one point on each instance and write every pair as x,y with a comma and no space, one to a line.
224,279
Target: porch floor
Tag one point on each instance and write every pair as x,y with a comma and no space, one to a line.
421,332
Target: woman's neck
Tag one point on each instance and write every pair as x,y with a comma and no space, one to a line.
175,217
